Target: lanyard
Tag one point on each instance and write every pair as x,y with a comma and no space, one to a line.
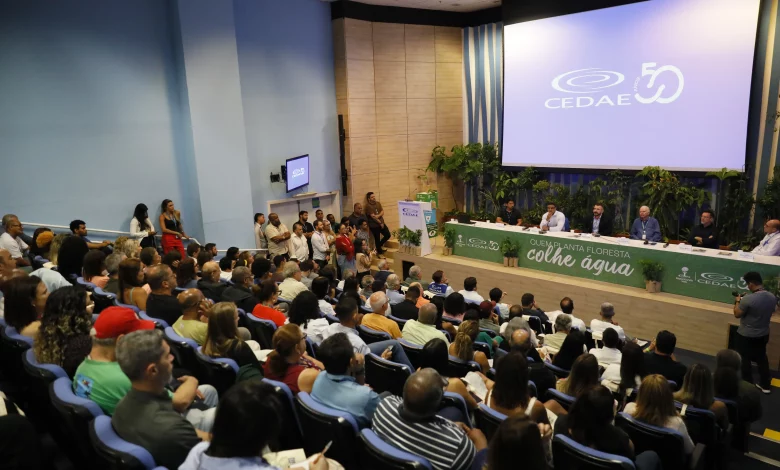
644,224
770,237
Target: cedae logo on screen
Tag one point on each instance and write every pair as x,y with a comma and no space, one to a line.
595,80
298,172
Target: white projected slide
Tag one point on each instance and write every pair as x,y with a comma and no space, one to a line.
663,83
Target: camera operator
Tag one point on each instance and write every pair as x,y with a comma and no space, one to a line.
754,311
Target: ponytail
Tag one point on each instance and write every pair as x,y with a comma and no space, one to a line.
277,364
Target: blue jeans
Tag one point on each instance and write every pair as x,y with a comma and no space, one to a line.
399,355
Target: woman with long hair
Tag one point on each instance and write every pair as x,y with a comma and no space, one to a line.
268,293
655,406
345,248
627,375
698,391
172,228
141,227
289,363
509,394
54,249
25,301
94,268
584,374
130,248
71,257
321,288
434,355
305,312
519,436
63,338
186,277
571,349
462,346
330,236
223,339
131,282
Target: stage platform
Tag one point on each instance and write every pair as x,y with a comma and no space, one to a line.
700,325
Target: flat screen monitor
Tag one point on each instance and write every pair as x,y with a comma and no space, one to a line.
656,83
297,172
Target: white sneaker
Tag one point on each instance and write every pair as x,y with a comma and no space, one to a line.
764,390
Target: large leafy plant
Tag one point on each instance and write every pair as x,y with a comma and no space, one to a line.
769,201
667,197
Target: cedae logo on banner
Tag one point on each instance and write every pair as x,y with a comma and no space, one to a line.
474,242
712,279
298,172
591,81
410,211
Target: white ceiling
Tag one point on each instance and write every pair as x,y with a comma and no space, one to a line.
447,5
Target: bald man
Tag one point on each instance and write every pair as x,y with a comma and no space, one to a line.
412,425
193,322
161,304
377,320
646,227
770,245
209,282
423,329
520,342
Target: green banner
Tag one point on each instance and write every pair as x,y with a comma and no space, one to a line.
702,277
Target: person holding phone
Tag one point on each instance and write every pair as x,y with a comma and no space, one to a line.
345,248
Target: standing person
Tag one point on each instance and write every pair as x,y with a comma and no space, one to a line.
706,234
12,241
646,227
364,233
362,259
770,245
553,220
300,243
277,235
754,312
356,215
307,227
260,241
172,228
345,249
600,224
510,215
330,235
376,222
319,243
141,227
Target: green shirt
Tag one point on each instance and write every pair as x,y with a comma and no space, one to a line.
420,333
102,382
192,329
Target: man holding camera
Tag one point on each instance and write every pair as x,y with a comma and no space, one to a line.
754,311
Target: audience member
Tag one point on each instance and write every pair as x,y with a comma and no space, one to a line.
304,312
496,295
172,228
193,322
607,320
278,236
730,385
411,424
531,309
415,275
407,309
292,285
232,253
419,299
423,329
584,374
148,415
628,375
172,260
211,249
454,307
11,240
261,243
520,341
79,229
307,273
209,282
161,303
299,242
572,348
698,391
394,294
25,301
376,222
562,329
193,250
655,406
356,215
366,284
186,274
202,258
224,338
567,307
240,293
321,288
94,268
289,363
226,269
660,358
63,337
438,301
71,257
141,227
319,244
518,435
41,241
384,271
150,257
469,291
509,394
351,290
462,346
267,295
112,268
440,285
343,385
609,354
345,248
488,319
261,269
347,313
434,355
377,320
516,320
363,235
131,248
54,249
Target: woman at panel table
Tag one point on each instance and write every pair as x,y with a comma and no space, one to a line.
173,231
553,220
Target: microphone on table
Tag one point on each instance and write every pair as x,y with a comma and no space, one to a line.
666,244
647,242
596,235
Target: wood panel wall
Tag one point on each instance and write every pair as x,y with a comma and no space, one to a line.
400,90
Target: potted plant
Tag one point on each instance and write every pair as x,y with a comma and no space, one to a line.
652,271
510,250
415,240
449,240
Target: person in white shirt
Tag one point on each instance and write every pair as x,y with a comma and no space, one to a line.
496,295
260,241
562,329
140,225
319,245
300,244
770,245
394,294
277,235
469,291
292,285
609,354
567,307
12,241
607,314
553,220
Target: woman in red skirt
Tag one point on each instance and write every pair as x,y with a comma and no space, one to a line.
173,231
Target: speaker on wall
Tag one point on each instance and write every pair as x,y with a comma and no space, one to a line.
343,155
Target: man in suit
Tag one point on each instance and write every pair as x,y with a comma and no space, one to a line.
600,223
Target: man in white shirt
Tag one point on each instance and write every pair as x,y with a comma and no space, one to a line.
277,235
553,220
567,307
300,244
12,241
607,314
562,329
469,291
292,285
770,245
260,242
609,354
319,245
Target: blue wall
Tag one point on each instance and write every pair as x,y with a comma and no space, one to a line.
94,103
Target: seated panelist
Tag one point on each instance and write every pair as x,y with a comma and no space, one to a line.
706,234
553,220
510,215
600,223
646,227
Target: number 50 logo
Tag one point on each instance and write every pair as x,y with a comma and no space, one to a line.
648,68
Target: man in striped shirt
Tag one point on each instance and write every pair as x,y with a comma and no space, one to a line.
411,424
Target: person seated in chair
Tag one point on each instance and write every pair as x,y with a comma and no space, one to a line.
423,329
567,307
606,320
161,303
520,341
394,294
194,321
469,291
384,271
659,358
150,257
377,320
562,329
226,268
112,267
407,310
609,354
343,384
292,285
209,282
531,309
440,285
240,293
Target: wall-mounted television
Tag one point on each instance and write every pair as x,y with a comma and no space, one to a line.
297,172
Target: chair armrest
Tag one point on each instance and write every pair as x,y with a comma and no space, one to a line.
696,461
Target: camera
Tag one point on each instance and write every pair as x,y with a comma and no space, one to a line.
737,294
